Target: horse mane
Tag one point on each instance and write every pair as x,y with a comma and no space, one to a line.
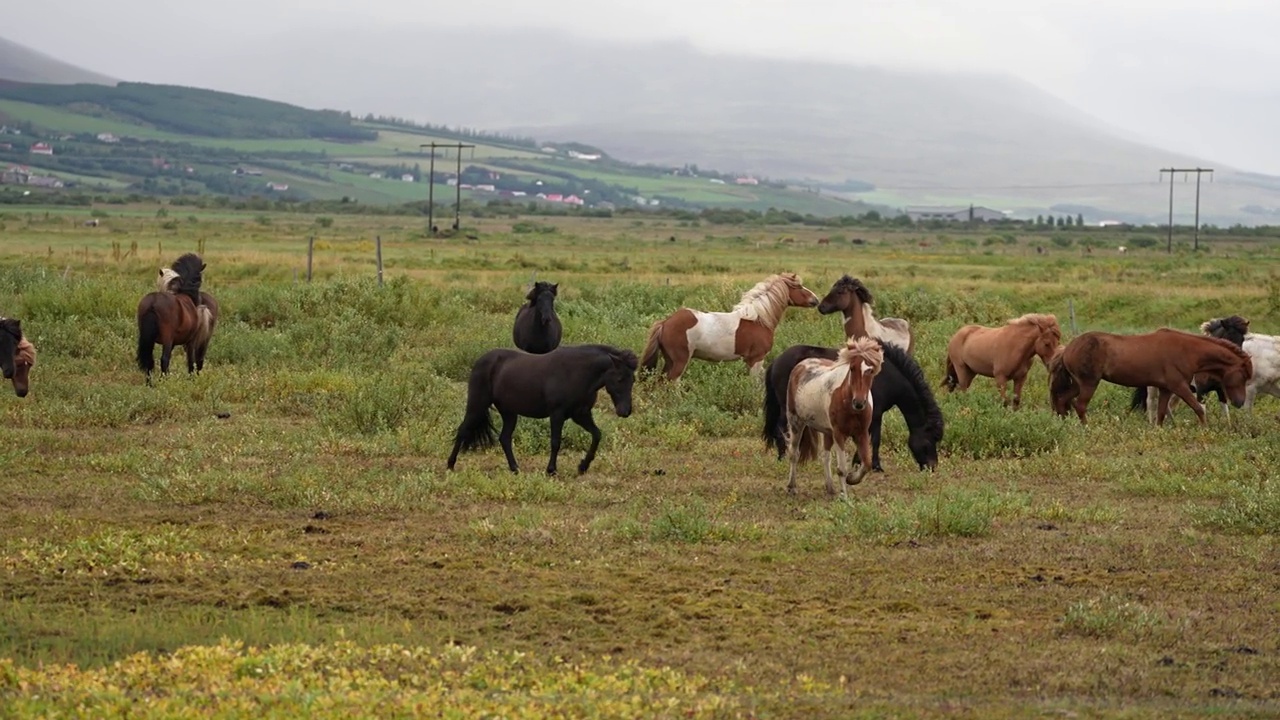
538,288
855,286
867,348
768,300
1044,321
165,279
911,370
627,357
1235,349
26,354
1227,327
189,268
13,326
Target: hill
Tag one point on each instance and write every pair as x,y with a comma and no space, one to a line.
917,137
19,63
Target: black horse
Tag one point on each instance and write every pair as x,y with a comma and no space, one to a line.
537,328
561,385
900,383
1232,329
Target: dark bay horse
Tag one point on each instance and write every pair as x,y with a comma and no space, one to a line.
17,355
561,385
1166,359
179,313
1004,353
1232,329
900,383
853,300
537,329
744,332
828,403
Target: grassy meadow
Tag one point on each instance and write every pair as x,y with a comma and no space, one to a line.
279,536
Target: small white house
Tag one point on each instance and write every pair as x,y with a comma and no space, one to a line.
407,177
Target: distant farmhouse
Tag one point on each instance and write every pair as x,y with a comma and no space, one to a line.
954,214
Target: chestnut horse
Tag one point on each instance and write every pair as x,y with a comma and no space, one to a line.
744,332
1166,359
1004,353
1233,329
849,296
17,355
179,313
829,402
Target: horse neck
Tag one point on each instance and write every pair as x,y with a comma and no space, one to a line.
857,319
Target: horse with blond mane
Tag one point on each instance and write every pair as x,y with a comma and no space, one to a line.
745,332
17,355
830,402
1004,353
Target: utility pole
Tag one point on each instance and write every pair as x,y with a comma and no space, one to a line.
1185,172
431,184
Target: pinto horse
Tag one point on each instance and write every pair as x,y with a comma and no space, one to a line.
17,355
1232,329
1004,353
744,332
561,385
1166,359
177,313
537,329
852,299
900,383
829,402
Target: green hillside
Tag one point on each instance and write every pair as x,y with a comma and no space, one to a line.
181,141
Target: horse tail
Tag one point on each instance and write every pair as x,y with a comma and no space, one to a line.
951,379
476,429
204,326
148,336
649,358
1060,379
1139,399
809,446
772,414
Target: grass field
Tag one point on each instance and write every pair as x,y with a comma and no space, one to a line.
308,554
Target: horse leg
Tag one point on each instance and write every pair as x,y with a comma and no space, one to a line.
1162,398
1087,389
1188,397
755,366
190,353
588,423
166,352
677,361
1153,404
504,438
794,437
1250,393
557,428
864,447
1001,381
826,468
1018,382
876,421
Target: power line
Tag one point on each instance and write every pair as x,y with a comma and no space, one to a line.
1185,172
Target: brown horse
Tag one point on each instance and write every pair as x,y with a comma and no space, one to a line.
1166,359
17,355
849,296
1004,353
180,315
745,332
829,402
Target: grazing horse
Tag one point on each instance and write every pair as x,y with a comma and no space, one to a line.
561,385
1004,353
17,355
537,329
1233,329
744,332
178,313
1166,359
829,402
900,383
849,296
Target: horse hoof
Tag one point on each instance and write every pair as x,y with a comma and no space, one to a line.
582,469
877,468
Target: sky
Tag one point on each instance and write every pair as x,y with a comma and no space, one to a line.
1195,77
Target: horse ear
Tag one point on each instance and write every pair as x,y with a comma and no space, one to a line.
555,288
202,267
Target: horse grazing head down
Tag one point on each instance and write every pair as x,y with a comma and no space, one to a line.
619,380
542,297
842,294
1049,334
1236,373
864,356
17,355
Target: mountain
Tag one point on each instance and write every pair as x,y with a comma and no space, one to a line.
19,63
918,137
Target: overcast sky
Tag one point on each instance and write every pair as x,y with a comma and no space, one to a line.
1198,77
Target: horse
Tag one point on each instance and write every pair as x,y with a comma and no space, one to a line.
560,385
1004,353
829,402
744,332
1233,329
537,329
17,356
177,313
849,296
1166,359
900,383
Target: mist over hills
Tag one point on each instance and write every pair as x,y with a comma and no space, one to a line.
20,63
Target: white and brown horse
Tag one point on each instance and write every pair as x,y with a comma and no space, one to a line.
1004,353
829,402
744,332
849,296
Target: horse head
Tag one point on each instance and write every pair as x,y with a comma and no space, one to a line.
620,378
543,298
1236,377
924,448
1049,339
1232,329
23,362
842,295
797,294
864,356
165,282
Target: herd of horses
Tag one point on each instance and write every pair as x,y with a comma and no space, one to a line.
818,401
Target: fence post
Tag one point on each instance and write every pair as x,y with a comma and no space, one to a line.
1071,310
311,249
378,244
